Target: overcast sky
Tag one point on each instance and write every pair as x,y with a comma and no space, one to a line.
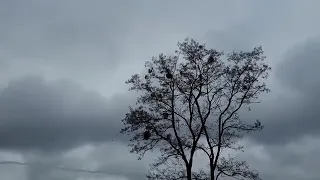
63,64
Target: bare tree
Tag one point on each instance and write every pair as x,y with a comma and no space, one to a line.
190,102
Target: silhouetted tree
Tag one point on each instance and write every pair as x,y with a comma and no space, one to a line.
190,102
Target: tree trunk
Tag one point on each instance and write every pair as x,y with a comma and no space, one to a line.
211,169
189,172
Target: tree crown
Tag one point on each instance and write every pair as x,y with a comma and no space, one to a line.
190,101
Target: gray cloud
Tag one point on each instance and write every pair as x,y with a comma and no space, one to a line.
65,39
294,114
105,161
300,67
90,41
50,116
291,160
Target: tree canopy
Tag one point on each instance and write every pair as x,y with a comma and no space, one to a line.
190,102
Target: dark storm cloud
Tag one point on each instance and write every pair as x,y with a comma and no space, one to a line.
296,113
49,116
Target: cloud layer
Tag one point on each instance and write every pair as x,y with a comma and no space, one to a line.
41,115
68,113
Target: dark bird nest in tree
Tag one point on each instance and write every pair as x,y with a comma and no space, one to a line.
169,75
165,115
146,135
210,59
244,87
